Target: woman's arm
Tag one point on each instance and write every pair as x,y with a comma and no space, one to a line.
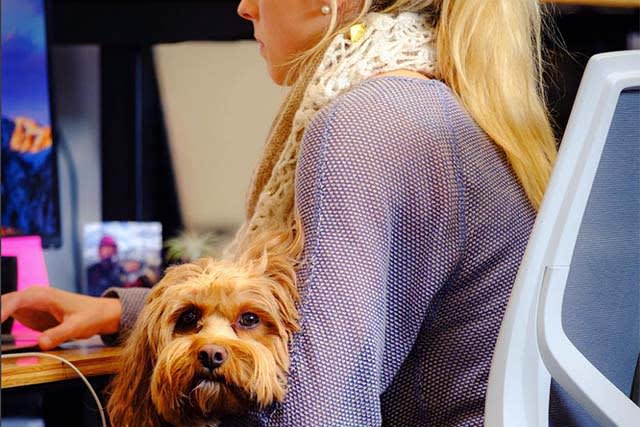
131,302
61,315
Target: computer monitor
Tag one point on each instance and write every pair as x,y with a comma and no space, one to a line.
29,186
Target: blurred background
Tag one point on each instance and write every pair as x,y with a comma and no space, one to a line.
162,108
165,105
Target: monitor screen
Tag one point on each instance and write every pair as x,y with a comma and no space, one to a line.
29,165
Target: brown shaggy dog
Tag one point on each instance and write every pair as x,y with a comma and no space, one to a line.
212,340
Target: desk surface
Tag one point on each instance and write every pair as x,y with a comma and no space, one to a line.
89,356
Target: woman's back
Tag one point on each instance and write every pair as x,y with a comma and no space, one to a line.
414,229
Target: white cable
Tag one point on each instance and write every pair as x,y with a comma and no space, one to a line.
72,366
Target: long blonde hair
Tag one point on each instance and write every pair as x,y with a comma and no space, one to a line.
488,52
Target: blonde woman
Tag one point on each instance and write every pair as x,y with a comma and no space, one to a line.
402,175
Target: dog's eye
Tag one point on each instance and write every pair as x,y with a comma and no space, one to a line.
188,320
249,320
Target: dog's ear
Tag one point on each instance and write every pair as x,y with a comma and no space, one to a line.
130,402
286,296
129,392
273,254
279,270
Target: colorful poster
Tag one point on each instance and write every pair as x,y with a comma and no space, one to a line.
29,178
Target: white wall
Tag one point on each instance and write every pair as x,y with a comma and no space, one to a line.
76,74
218,102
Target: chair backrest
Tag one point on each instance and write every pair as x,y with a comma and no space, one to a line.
574,312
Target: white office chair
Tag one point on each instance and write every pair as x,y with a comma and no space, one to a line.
574,312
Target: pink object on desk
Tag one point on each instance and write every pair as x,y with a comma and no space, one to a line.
32,271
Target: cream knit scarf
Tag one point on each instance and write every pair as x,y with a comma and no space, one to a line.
390,42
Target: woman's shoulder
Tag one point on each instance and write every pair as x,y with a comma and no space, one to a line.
383,130
386,111
389,96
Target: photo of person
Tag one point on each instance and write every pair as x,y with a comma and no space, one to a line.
123,254
106,272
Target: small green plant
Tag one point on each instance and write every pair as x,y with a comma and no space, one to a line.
190,245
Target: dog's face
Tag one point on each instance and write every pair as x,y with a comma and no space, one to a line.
212,340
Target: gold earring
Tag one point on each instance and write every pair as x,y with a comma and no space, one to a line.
325,9
356,32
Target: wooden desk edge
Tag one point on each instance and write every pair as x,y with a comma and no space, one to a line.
94,362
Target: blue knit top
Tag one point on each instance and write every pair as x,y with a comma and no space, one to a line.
414,228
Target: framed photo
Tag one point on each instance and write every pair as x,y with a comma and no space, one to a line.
123,254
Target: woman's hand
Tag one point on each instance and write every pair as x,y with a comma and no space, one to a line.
61,315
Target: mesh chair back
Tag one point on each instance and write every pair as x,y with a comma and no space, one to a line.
601,308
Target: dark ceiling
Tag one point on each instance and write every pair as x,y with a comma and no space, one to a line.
145,22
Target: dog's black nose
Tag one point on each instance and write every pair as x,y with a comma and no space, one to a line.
211,356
